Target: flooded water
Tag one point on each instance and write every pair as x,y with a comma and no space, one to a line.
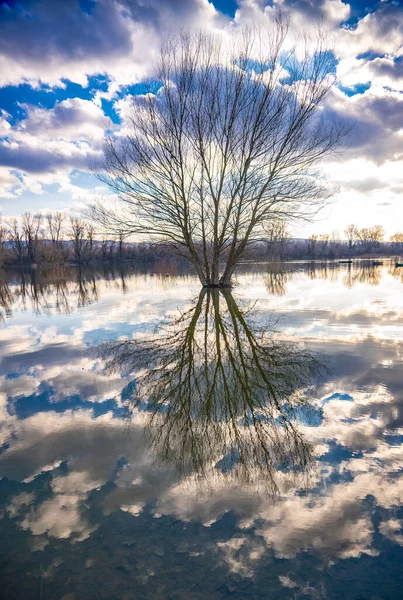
165,443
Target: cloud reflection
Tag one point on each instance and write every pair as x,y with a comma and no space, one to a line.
70,469
222,394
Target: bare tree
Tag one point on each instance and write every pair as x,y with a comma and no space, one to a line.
55,233
3,240
396,241
217,386
90,233
324,239
351,234
311,244
230,140
376,235
77,233
17,240
31,227
370,237
120,246
277,236
55,227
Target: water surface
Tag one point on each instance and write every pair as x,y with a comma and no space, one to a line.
161,443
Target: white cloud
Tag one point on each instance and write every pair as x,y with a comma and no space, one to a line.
380,31
48,144
331,520
119,39
116,37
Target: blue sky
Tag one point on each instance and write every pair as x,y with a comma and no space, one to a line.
68,70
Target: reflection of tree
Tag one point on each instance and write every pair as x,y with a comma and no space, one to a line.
55,290
6,298
279,275
396,272
276,280
323,271
63,288
362,273
220,391
34,288
86,288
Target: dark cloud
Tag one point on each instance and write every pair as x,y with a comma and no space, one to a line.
360,365
74,114
62,37
40,160
51,355
388,18
97,447
387,66
368,184
310,8
44,29
388,109
155,12
67,136
372,122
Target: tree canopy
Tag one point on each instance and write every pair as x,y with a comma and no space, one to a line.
226,139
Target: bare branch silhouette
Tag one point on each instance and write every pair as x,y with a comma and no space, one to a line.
225,142
221,391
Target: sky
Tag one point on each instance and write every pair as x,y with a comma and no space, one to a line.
68,70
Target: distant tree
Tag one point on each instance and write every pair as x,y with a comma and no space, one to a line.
371,237
334,244
111,250
55,227
32,231
120,245
77,234
312,243
104,249
16,239
351,233
90,235
396,241
376,235
55,252
3,240
324,239
231,141
277,237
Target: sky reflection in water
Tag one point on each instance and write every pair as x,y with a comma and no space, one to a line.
171,466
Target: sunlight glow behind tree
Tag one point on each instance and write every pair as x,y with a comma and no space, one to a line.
228,141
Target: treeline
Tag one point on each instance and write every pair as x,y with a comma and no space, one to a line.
53,238
358,242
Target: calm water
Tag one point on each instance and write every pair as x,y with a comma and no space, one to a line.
161,443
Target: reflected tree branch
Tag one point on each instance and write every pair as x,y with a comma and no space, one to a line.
222,393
